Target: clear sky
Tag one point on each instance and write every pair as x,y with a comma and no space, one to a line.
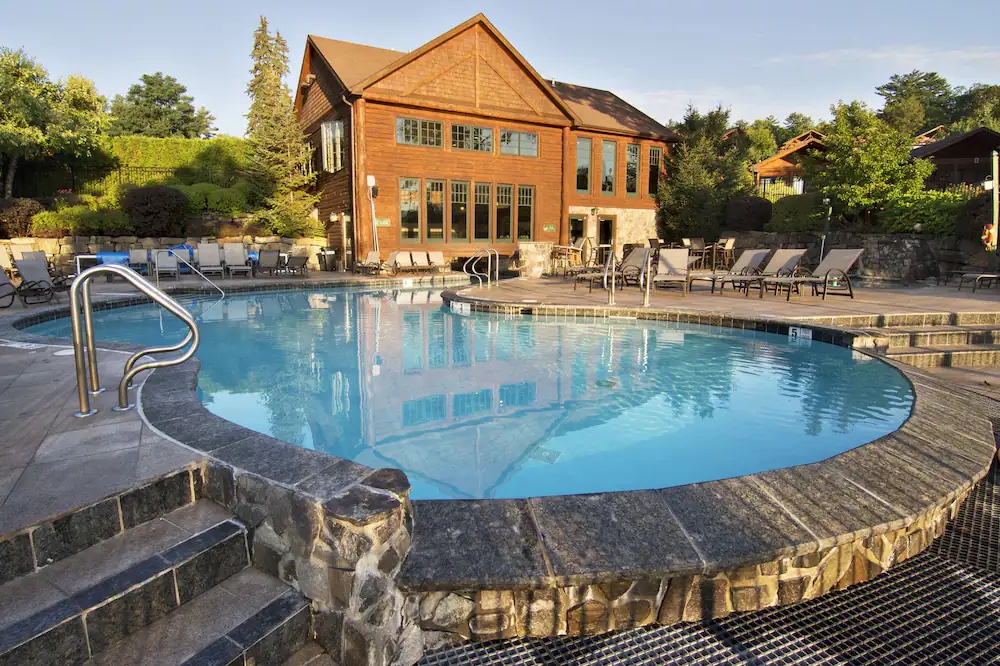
758,58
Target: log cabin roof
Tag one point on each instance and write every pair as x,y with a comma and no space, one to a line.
604,110
353,63
811,140
974,143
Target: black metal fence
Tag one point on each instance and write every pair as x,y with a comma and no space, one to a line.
100,181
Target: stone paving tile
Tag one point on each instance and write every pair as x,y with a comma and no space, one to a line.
8,477
89,441
26,596
198,517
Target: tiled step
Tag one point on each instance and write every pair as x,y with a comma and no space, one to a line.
311,655
940,336
77,607
947,356
250,618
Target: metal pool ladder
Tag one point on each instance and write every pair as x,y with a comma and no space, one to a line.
492,273
85,353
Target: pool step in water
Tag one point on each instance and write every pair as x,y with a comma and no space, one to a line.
111,600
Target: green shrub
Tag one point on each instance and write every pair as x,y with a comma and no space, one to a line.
928,211
81,220
227,201
49,224
747,213
156,211
116,194
221,153
971,217
800,212
197,196
15,216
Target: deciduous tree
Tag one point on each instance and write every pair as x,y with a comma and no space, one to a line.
159,106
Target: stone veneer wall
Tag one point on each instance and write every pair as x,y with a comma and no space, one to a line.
583,610
632,225
63,249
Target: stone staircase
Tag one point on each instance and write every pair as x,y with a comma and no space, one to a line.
177,588
939,339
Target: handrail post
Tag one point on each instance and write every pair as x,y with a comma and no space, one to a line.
649,278
613,270
79,360
88,329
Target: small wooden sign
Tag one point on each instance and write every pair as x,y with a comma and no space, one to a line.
549,228
383,222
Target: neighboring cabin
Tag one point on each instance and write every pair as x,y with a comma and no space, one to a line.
962,158
786,166
471,148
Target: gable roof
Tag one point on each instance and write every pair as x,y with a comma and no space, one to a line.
807,140
937,146
350,62
602,109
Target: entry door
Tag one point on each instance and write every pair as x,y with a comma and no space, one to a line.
605,236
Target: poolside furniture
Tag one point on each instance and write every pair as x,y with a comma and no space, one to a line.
696,247
633,266
396,259
569,255
296,264
437,261
165,263
236,259
594,275
18,250
749,262
138,260
209,259
782,263
35,276
977,280
420,262
371,265
7,290
655,243
6,264
673,267
30,293
35,255
728,248
830,275
267,262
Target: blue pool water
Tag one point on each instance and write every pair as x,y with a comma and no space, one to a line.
486,406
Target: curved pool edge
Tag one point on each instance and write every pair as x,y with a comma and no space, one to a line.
582,564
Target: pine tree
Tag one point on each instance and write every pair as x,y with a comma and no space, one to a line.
279,152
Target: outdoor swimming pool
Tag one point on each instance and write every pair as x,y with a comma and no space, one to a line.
483,406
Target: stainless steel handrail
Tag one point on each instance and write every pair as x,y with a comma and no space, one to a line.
84,350
492,273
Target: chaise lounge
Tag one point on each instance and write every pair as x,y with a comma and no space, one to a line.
830,276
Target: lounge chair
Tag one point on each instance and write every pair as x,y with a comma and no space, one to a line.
831,275
35,276
19,251
597,275
395,258
236,259
748,262
165,263
6,264
296,264
371,265
673,267
35,255
138,260
782,264
633,266
420,262
209,259
7,290
267,262
437,261
977,280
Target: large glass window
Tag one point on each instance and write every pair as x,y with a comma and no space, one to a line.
424,410
332,134
481,213
435,210
417,132
409,209
525,211
609,155
583,148
632,170
505,195
459,211
470,137
524,144
655,157
413,343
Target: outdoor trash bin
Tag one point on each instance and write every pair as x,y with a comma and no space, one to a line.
327,260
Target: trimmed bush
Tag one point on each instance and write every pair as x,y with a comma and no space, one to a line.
227,201
198,195
799,212
747,213
81,221
15,216
156,211
929,211
116,194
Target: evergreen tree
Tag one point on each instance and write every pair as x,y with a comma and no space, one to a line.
158,106
279,153
929,90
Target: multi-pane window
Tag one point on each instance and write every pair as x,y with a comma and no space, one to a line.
409,209
470,137
459,211
583,148
525,211
524,144
655,157
333,145
435,210
481,212
424,410
609,155
417,132
632,170
505,196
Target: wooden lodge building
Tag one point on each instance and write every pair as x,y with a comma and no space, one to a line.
786,165
470,148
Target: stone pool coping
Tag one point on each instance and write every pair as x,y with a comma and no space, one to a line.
929,464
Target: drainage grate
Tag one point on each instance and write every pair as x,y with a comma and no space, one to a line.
941,607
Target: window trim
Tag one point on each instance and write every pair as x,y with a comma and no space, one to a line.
490,212
515,233
334,159
451,210
614,169
638,168
420,221
518,133
472,141
659,170
419,143
510,206
590,165
444,212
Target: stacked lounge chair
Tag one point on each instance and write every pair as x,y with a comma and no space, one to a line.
165,263
829,277
138,260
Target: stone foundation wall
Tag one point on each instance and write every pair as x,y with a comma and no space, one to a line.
534,259
64,249
584,610
632,225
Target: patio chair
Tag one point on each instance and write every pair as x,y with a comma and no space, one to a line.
437,261
296,265
236,259
977,279
138,260
633,266
267,262
597,275
420,262
673,267
727,246
394,260
6,263
35,255
830,275
782,264
7,290
18,250
748,262
371,265
35,274
165,263
209,259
